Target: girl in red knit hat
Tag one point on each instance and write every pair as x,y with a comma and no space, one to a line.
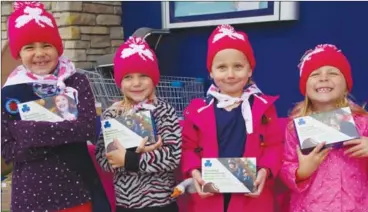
327,179
235,120
53,170
144,178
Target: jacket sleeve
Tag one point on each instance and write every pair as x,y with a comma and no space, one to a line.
273,144
365,132
166,158
191,158
290,162
100,151
9,147
28,134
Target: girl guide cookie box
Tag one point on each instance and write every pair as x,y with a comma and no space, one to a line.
51,109
229,175
333,127
130,129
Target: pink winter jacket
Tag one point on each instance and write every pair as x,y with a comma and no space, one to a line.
265,143
339,185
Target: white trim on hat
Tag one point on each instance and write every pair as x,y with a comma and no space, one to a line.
135,47
227,31
318,49
30,14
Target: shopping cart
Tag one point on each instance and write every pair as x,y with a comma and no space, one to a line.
177,91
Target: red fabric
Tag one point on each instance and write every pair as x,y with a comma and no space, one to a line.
106,178
87,207
29,23
203,135
282,192
225,37
135,56
182,200
324,55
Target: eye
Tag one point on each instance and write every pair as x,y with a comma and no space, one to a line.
314,74
333,73
239,66
28,47
221,67
46,45
127,77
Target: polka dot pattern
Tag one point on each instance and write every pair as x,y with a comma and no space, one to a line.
42,180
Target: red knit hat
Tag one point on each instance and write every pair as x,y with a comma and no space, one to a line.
29,23
225,37
135,56
324,55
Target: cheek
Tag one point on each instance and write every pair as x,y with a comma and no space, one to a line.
218,77
26,58
53,53
148,84
309,85
218,81
341,84
124,84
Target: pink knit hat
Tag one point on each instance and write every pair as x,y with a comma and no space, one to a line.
29,23
135,56
225,37
324,55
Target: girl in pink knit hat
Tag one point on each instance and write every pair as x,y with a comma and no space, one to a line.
52,167
327,179
144,177
235,120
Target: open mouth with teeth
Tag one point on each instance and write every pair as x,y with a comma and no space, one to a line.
41,63
324,90
62,106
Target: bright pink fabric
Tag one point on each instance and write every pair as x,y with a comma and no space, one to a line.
106,178
282,192
200,131
339,185
182,200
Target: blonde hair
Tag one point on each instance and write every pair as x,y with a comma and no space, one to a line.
304,108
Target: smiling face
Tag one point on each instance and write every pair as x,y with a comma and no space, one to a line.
326,86
231,71
62,103
39,58
137,87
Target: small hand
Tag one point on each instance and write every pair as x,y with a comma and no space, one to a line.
117,157
308,164
142,148
259,183
198,183
358,148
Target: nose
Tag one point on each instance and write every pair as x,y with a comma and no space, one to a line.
230,73
136,81
323,77
39,52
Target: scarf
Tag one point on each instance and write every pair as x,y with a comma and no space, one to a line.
225,100
46,85
144,105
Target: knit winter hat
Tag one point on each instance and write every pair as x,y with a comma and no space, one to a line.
135,56
225,37
323,55
29,23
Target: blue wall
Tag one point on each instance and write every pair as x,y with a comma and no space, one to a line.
278,46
